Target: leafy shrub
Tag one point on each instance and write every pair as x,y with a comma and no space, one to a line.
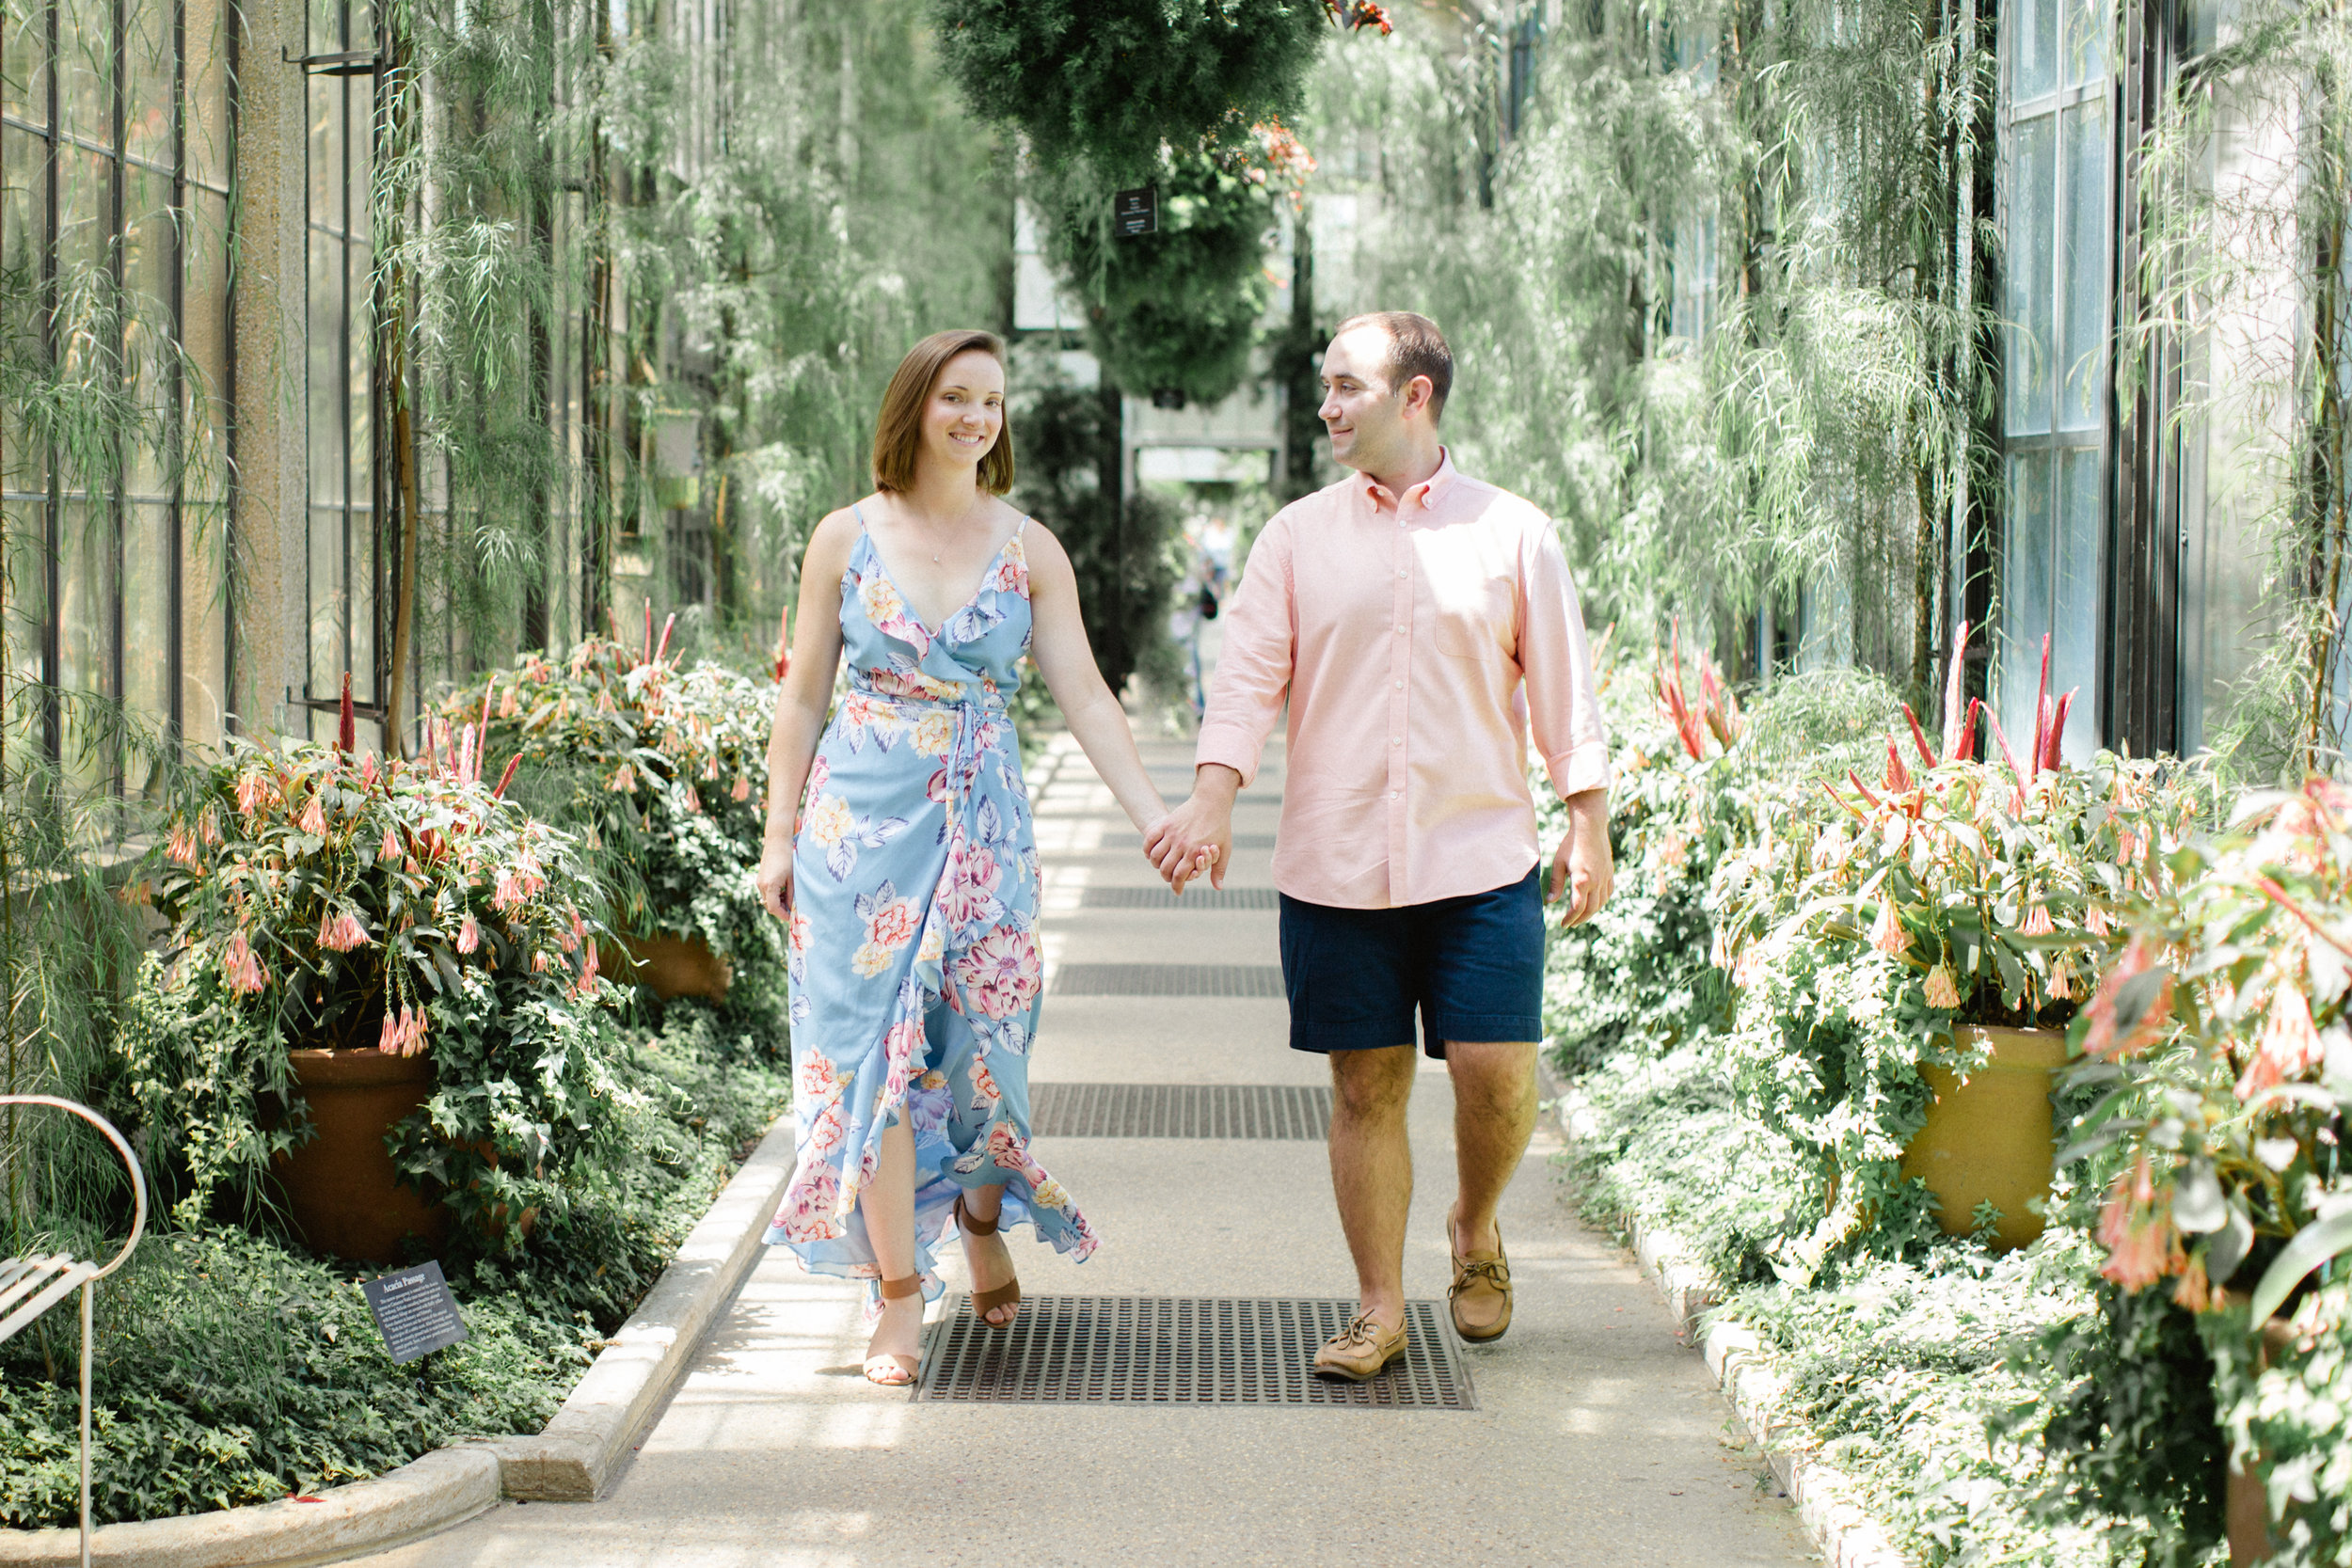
229,1371
2217,1047
319,898
660,771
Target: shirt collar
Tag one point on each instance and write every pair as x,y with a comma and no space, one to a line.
1423,496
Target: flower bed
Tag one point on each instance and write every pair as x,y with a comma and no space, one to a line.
326,901
1798,944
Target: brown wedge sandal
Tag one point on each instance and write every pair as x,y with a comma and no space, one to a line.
891,1370
985,1302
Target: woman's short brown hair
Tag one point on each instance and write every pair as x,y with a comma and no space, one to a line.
899,429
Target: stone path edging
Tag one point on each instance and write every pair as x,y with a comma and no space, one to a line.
1824,1494
571,1461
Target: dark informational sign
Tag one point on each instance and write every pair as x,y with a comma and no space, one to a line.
414,1311
1135,212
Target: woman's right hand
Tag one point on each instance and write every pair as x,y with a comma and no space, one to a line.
774,880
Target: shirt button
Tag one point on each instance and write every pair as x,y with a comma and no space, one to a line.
1400,574
1391,794
1400,631
1400,686
1396,740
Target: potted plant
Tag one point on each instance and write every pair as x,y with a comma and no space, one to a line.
1908,956
2222,1044
660,770
380,995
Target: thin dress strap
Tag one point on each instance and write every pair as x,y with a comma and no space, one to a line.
859,515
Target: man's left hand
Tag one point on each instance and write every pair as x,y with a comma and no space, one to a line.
1583,867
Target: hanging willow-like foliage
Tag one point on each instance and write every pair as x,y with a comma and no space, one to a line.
1713,291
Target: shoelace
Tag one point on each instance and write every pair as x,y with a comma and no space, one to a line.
1362,1330
1493,1270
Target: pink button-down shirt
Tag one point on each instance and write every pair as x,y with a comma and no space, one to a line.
1416,640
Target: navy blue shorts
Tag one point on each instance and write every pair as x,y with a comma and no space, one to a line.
1472,967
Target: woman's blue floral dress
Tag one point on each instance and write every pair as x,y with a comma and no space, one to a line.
914,960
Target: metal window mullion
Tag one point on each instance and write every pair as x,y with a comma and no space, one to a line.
52,539
343,324
118,182
175,655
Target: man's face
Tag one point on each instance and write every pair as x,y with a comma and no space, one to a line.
1364,415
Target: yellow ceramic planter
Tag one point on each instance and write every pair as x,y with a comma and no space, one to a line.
1989,1137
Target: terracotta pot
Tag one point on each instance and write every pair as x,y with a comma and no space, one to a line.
341,1188
668,966
1992,1135
2244,1497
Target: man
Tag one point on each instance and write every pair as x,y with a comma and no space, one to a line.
1416,619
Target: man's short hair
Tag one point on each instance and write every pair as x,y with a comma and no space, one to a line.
1416,347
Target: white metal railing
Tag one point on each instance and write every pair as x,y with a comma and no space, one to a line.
30,1285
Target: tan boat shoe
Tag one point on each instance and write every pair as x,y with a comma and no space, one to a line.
1362,1351
1481,1293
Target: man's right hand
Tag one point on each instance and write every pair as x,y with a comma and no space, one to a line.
1203,822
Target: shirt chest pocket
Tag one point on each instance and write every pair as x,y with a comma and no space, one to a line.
1471,615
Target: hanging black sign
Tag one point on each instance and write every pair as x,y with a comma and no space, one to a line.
1135,212
414,1311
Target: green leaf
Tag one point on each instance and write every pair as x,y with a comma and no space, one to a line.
2091,1143
2229,1247
2313,1246
2198,1205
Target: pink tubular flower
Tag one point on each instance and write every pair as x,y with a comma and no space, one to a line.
2108,1037
183,848
252,791
2038,922
512,705
2062,980
340,931
389,849
468,934
240,967
1942,991
2095,921
509,892
742,790
313,819
2136,1229
1886,932
624,780
2289,1044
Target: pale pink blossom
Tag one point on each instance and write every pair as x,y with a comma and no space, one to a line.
339,931
1001,971
2038,922
511,705
2137,1230
1942,991
815,1080
253,791
182,848
389,849
1886,932
468,934
240,967
809,1204
2289,1044
313,819
2103,1038
894,924
742,790
624,780
825,1134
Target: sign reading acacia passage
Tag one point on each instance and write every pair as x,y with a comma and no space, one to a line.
414,1311
1135,212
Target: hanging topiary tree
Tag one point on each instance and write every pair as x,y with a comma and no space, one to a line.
1106,83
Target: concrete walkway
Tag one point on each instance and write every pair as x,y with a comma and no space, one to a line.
1597,1438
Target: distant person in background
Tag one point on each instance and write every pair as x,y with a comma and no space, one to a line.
1406,615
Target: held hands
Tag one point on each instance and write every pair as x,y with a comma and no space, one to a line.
1198,836
1583,866
774,880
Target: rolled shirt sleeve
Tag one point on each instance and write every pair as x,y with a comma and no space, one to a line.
1562,702
1253,671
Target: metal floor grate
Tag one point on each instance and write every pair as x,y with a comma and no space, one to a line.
1167,980
1182,1350
1274,1111
1198,897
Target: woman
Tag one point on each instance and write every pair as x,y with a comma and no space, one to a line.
911,889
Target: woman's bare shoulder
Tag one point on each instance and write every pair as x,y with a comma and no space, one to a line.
829,542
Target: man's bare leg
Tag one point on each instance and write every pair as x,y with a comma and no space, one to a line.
1494,1115
1371,1171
